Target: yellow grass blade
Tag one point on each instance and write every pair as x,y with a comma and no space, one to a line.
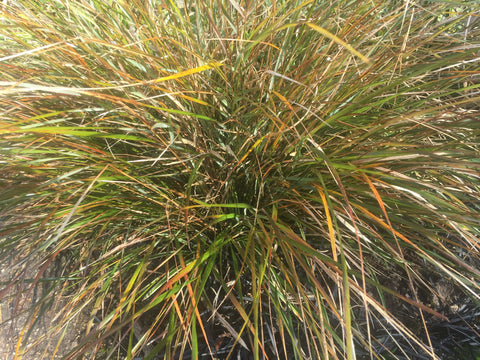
329,223
339,41
189,72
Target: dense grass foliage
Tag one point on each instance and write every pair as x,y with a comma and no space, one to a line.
276,179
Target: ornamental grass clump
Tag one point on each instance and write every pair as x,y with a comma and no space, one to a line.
231,179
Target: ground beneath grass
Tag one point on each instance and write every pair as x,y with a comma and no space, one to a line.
20,336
